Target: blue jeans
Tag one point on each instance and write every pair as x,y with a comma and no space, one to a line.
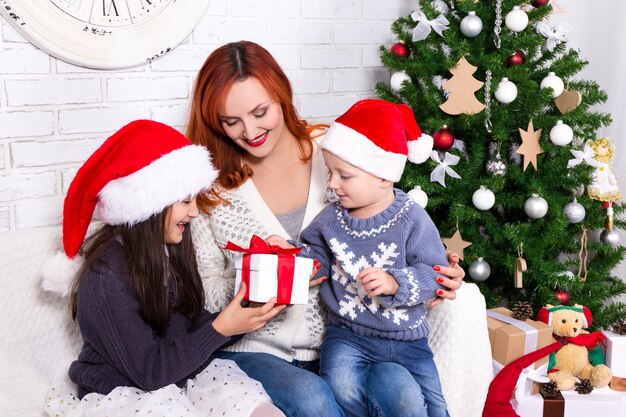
298,391
347,358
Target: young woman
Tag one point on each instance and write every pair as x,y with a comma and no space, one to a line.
138,297
273,180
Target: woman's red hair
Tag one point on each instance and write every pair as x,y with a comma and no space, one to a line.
236,62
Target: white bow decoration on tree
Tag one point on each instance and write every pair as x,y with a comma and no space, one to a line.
424,26
554,35
439,173
586,155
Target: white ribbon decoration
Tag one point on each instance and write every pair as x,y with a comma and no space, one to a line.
586,155
439,173
554,35
424,26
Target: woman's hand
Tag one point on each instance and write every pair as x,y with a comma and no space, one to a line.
451,277
235,319
317,281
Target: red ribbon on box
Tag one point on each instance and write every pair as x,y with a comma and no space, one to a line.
286,265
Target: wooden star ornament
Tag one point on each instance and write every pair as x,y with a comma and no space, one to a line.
530,147
456,243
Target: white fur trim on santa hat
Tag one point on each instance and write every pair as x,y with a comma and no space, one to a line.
58,273
360,151
170,179
420,149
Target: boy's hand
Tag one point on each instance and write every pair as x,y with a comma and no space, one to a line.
276,240
376,282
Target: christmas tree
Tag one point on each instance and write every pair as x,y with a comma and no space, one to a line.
518,168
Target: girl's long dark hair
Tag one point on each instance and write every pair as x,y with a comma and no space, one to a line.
149,267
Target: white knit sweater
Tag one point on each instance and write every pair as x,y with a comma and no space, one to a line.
297,332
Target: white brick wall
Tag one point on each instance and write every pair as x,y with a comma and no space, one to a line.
54,114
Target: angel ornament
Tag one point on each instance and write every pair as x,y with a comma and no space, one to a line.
603,186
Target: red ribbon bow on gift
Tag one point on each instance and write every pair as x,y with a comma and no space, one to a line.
286,265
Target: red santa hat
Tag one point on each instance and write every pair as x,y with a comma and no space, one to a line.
378,136
143,168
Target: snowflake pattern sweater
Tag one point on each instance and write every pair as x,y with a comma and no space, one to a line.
403,241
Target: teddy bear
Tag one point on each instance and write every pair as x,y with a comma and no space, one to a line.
582,353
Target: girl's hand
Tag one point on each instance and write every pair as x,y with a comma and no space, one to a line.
376,282
451,277
235,319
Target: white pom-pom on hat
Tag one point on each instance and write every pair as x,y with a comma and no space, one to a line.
58,273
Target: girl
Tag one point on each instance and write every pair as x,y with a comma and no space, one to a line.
273,180
138,297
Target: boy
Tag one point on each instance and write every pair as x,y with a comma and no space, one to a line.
378,247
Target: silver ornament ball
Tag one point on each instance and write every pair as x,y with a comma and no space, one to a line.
536,207
471,25
574,212
496,166
610,237
479,270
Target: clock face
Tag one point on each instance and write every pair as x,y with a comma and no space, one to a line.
104,34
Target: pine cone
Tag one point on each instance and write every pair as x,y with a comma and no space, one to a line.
620,327
522,310
549,389
584,386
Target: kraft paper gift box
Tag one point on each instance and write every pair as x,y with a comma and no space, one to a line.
271,271
616,353
601,402
511,338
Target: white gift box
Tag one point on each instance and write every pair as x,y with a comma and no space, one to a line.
601,402
616,353
264,278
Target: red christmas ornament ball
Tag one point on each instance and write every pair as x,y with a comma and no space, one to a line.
539,3
562,296
400,50
443,139
518,58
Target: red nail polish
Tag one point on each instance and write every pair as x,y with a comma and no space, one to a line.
436,268
440,279
439,292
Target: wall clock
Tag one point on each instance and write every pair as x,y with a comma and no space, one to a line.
104,34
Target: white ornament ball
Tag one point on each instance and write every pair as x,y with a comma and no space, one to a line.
471,25
479,270
506,91
561,134
516,19
536,207
397,78
554,82
483,198
419,196
574,212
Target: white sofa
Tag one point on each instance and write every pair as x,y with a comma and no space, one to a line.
40,341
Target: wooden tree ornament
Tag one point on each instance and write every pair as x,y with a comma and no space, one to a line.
462,87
